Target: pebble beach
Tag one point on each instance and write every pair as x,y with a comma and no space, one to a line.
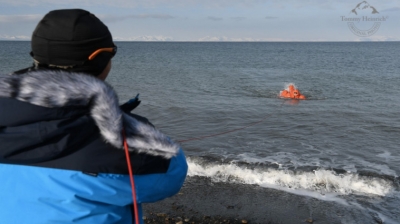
202,201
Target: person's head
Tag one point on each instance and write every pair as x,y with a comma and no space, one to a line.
73,40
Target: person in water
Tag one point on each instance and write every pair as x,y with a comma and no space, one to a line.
61,147
292,93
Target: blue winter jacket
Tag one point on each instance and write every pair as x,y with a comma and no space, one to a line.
61,155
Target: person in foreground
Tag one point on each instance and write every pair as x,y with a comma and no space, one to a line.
61,147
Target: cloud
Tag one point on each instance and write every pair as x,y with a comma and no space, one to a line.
238,18
20,18
240,39
134,4
271,17
112,18
144,38
107,18
214,18
174,3
18,37
379,38
249,39
394,9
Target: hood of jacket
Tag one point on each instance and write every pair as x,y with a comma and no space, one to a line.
74,94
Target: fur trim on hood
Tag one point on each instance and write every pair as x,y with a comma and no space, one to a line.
59,89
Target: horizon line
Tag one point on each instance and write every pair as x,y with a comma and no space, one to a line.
264,41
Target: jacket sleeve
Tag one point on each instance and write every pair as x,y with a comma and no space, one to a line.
155,187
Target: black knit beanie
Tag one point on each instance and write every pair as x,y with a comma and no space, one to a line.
65,38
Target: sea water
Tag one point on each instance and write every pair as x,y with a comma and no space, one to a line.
221,101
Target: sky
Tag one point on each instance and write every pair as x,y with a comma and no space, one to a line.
215,20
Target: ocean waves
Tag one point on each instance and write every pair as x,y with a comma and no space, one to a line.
312,182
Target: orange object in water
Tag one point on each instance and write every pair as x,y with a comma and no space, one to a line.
293,93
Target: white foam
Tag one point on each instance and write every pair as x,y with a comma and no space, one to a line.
283,159
321,181
289,84
386,219
382,168
385,154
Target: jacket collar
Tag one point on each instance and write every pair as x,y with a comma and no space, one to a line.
56,89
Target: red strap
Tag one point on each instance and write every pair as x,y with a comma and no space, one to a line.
128,160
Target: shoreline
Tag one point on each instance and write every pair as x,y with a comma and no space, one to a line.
202,201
